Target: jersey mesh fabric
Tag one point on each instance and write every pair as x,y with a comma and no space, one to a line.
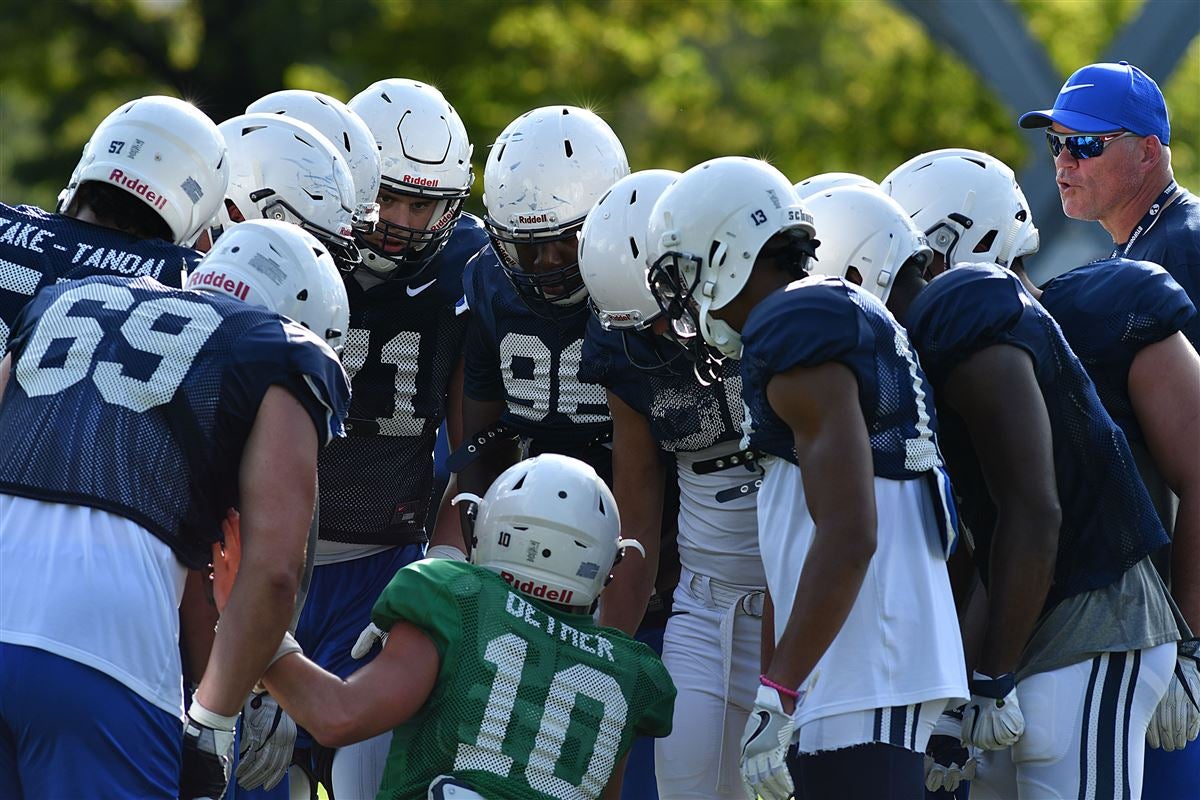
1109,311
683,415
161,432
39,249
820,320
403,346
531,362
531,702
1109,522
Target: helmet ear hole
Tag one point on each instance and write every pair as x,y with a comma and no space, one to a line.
303,295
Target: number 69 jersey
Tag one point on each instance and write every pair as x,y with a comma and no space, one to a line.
531,702
134,398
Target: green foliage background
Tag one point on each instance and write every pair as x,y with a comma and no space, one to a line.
812,85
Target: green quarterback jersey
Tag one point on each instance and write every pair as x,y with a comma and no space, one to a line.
531,702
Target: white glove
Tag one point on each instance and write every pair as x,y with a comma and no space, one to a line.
268,735
367,639
1176,720
764,747
947,762
992,720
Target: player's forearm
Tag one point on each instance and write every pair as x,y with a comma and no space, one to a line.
1021,570
828,585
1185,560
319,701
197,621
248,634
624,602
447,529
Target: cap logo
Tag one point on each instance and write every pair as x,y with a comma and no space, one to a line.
1066,89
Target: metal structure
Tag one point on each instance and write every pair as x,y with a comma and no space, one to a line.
991,37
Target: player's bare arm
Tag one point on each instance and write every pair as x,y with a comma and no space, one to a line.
820,405
277,484
447,528
638,477
1164,386
996,393
374,699
5,370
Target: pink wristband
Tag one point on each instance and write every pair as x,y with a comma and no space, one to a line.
779,687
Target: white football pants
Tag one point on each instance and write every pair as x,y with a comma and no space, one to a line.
711,649
1085,730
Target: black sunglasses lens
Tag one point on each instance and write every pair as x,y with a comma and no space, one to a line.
1080,147
1054,143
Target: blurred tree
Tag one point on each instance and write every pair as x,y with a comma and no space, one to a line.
811,85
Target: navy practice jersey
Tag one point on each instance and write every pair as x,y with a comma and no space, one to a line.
1108,521
1174,242
404,342
131,397
684,416
38,249
530,362
1108,311
817,320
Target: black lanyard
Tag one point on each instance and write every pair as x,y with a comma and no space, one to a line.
1147,222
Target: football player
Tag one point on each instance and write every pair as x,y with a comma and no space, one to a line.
178,405
1125,321
150,179
854,518
1062,529
403,355
493,675
529,315
713,638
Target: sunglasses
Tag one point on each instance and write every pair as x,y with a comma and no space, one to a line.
1082,145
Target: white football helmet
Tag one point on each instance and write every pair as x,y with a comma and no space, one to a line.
424,152
349,135
612,250
543,174
549,525
281,267
863,229
165,151
968,203
282,168
831,180
707,230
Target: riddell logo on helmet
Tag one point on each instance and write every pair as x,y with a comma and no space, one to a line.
417,180
532,219
538,590
221,282
138,187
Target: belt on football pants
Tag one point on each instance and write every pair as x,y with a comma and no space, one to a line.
472,448
734,600
745,456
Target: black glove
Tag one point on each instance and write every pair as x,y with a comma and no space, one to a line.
207,753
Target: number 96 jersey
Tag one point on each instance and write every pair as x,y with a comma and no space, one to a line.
531,702
134,398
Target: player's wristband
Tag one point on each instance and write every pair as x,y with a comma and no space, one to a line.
987,686
779,687
446,551
211,719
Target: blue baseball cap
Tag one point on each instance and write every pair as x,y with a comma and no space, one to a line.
1100,98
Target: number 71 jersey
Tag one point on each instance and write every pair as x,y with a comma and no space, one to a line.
134,398
531,702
